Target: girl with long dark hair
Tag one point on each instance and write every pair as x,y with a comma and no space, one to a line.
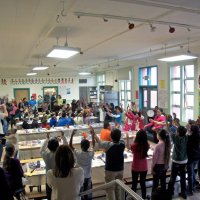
160,160
139,149
65,180
13,171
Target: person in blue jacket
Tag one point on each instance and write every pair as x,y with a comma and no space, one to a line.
63,120
53,120
117,116
32,103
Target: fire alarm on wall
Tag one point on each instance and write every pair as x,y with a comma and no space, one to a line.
116,80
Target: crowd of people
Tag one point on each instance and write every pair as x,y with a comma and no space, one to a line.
69,170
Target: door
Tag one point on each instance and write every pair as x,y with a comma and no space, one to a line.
83,93
149,97
20,93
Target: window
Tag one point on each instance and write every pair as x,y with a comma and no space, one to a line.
125,92
182,91
148,80
148,76
101,81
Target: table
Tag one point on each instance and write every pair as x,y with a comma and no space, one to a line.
31,148
38,176
40,133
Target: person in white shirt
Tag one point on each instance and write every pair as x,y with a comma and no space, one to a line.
65,180
48,151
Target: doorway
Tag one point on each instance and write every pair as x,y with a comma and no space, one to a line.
20,93
149,97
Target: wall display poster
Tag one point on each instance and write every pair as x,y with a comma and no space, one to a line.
68,91
162,84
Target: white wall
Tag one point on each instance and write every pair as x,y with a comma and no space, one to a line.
38,88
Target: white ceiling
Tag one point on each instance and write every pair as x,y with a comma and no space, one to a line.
28,30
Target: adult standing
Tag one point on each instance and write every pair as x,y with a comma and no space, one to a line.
47,99
39,103
21,105
156,124
59,101
32,103
53,100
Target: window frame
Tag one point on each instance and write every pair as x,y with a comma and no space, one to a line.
183,89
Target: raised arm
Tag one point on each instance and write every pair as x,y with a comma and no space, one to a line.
63,138
44,146
95,137
71,140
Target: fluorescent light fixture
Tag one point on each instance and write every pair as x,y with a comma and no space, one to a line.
39,68
63,52
178,58
31,74
84,73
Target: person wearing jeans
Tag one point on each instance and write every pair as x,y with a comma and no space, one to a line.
139,149
179,161
193,152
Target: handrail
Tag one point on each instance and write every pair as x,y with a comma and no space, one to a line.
111,184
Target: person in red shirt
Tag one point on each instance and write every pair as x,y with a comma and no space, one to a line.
139,149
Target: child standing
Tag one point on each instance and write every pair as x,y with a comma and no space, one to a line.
139,149
84,159
160,160
179,160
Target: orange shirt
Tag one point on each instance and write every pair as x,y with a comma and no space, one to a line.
105,135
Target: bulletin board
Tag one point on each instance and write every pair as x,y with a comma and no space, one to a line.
50,90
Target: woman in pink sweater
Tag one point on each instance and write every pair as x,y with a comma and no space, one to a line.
130,123
160,160
158,121
139,149
156,124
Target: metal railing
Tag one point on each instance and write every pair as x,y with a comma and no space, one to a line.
125,191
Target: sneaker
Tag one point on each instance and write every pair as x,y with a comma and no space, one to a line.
184,196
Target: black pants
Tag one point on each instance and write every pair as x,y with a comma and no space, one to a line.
86,186
181,170
48,192
135,176
159,175
154,133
